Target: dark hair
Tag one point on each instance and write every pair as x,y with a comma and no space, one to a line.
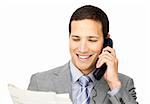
91,12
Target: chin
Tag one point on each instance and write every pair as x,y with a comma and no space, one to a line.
84,62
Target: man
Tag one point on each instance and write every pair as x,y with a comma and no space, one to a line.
88,28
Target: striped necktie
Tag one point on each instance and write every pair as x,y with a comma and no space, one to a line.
83,97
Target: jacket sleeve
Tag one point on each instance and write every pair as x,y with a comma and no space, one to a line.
126,94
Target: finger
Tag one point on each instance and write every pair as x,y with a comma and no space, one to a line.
110,56
107,54
99,63
104,59
111,50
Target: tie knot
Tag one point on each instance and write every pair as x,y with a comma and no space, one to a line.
84,80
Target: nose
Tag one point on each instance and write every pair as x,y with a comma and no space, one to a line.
83,46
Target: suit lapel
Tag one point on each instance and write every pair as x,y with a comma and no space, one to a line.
62,81
99,93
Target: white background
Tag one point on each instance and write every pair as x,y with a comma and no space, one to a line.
34,38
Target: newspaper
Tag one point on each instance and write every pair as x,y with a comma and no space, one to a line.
20,96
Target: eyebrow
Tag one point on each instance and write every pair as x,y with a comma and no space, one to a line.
74,36
87,36
93,36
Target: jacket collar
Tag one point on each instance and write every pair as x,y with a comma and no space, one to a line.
99,92
62,83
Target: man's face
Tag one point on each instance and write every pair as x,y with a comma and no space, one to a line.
86,43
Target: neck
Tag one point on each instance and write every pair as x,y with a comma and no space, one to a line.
87,71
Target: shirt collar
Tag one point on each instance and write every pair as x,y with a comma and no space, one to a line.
76,73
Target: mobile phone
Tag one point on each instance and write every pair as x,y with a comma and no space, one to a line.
99,72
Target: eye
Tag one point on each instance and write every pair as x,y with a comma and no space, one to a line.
93,40
75,39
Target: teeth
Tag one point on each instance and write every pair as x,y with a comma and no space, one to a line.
84,57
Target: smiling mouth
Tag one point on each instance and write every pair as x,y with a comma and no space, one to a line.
83,57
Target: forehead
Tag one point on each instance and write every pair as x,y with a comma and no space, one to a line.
86,27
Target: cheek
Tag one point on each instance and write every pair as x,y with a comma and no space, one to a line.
96,48
72,46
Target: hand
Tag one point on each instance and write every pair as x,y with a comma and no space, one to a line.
108,56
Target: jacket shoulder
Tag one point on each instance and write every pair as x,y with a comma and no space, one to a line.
51,72
45,81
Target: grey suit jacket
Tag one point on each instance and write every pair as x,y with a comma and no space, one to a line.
59,81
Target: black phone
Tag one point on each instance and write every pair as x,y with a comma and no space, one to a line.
99,72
